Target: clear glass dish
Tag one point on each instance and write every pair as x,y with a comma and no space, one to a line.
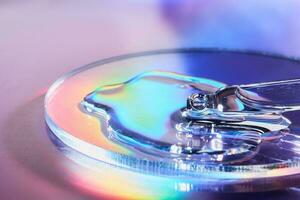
67,114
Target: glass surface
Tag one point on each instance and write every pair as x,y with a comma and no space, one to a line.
147,113
71,120
277,96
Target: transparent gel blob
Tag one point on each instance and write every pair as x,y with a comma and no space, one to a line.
139,124
144,113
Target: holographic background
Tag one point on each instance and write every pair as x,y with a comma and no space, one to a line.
41,40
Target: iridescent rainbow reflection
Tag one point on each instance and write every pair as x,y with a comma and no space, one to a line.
145,103
85,133
111,182
145,113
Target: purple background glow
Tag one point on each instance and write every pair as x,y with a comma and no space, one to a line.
42,39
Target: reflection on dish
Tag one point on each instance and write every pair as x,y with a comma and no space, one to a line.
264,154
149,113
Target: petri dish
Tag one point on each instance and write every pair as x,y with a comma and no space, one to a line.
168,77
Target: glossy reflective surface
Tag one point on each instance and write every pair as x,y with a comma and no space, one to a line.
84,133
42,40
148,113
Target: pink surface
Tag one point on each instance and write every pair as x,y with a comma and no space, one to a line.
41,40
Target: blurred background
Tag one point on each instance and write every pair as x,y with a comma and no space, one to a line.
50,37
41,40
